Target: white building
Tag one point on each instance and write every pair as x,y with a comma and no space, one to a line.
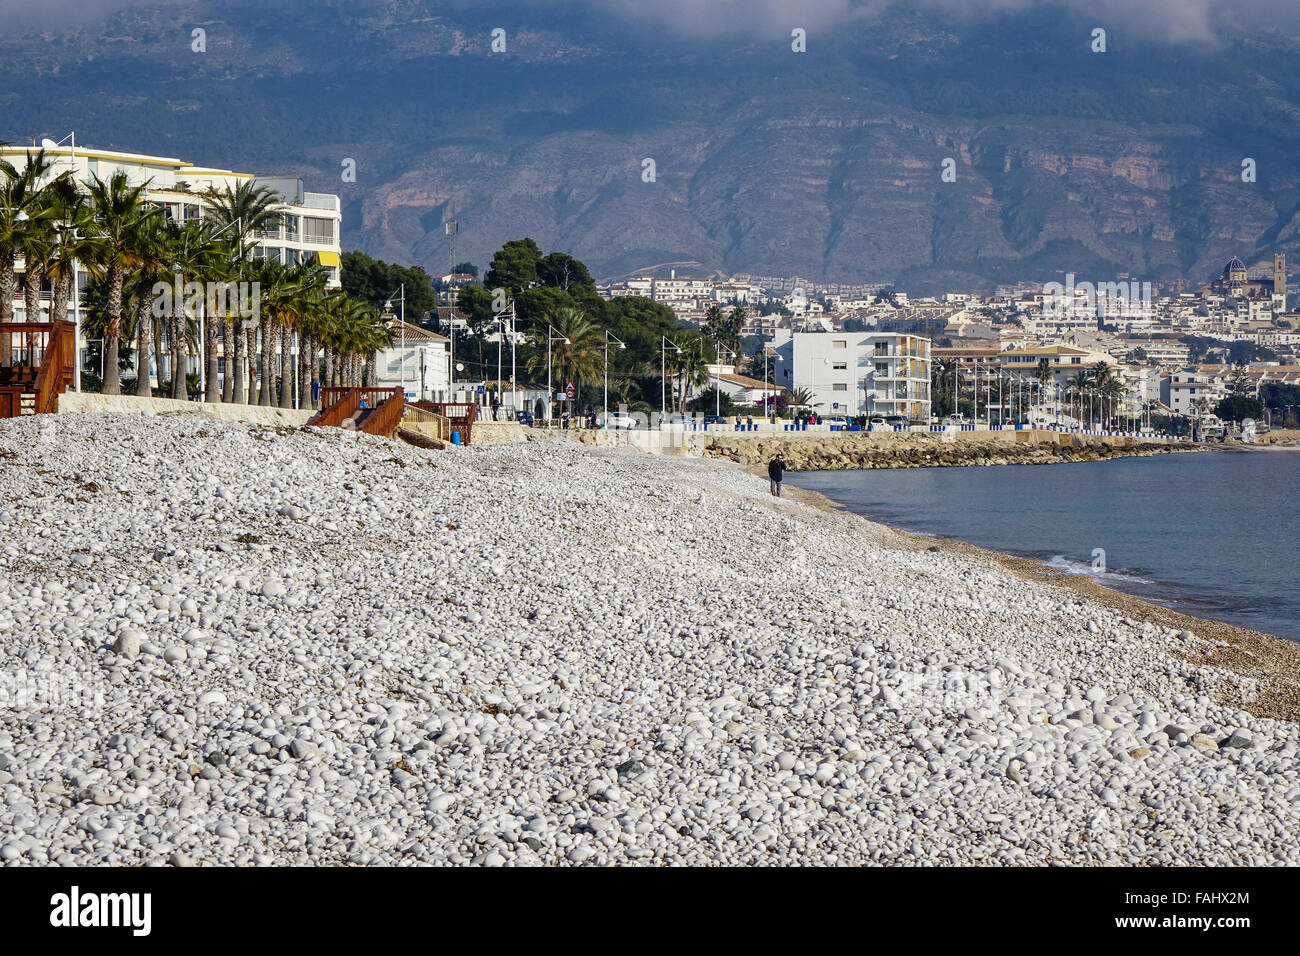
857,373
423,366
310,228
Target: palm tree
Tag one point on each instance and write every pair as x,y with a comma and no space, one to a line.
576,360
190,253
236,214
28,228
1080,385
689,367
22,199
72,243
149,265
118,213
800,398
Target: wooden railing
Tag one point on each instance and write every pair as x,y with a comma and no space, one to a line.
20,376
425,416
376,411
460,417
57,369
386,416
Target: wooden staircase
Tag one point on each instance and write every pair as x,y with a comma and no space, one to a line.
27,388
375,411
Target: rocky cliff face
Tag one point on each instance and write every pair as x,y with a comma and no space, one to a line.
825,164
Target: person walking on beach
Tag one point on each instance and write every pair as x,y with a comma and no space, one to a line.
775,472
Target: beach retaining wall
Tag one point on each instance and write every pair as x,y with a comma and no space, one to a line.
93,402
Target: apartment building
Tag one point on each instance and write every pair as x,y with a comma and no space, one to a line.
311,222
856,373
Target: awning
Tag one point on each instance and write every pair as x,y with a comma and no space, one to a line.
329,259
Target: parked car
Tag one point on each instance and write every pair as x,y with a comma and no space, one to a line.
956,420
877,421
896,420
714,420
616,420
526,418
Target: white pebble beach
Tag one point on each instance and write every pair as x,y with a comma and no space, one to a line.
234,644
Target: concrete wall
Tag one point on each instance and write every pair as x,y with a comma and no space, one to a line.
84,402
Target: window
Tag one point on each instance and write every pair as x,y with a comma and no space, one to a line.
840,387
319,231
839,343
882,368
840,366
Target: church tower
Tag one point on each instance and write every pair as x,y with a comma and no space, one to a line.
1279,276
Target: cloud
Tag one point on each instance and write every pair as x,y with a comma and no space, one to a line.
1171,21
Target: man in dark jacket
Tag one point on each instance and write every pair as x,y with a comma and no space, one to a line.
775,472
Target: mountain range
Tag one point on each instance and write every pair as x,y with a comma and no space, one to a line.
827,164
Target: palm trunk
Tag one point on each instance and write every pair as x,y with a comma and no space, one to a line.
315,373
227,361
211,387
32,306
143,356
112,378
237,393
250,348
372,369
7,279
286,368
176,334
268,368
8,285
59,299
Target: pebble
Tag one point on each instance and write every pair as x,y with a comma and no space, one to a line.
448,672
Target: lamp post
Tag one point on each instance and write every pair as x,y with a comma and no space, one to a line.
664,342
400,295
551,336
621,345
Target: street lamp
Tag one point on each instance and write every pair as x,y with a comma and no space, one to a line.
621,345
664,342
400,295
551,336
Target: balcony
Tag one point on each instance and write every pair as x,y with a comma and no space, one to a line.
320,201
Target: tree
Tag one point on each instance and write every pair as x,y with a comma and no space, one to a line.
465,269
1236,408
515,266
375,281
561,271
577,356
709,399
1239,379
118,212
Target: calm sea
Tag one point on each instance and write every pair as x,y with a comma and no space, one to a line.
1213,535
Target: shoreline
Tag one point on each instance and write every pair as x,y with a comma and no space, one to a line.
1270,660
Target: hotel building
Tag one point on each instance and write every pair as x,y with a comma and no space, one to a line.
856,373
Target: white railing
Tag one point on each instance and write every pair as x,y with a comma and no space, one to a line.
320,201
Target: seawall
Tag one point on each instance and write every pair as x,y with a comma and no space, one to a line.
838,451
